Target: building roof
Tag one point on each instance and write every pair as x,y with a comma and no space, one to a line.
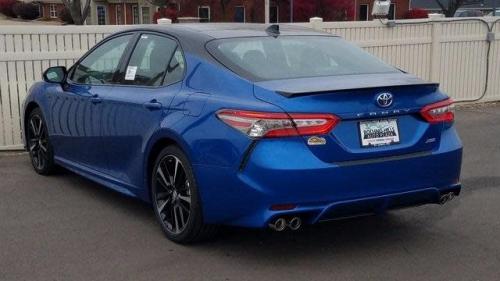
468,4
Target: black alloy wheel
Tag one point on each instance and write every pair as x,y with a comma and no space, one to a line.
175,198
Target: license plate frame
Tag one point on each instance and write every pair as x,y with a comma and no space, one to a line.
379,141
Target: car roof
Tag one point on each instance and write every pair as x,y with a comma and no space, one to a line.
209,31
193,36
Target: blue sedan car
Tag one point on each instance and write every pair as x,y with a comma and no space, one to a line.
248,125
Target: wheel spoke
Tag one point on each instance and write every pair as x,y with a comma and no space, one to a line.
185,187
162,206
42,131
43,148
42,154
40,159
181,215
33,144
175,169
32,127
169,174
175,219
163,195
185,198
162,179
40,125
184,207
169,225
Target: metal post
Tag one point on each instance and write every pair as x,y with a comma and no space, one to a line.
494,7
291,10
266,11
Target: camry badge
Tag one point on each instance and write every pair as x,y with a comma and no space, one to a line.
314,140
384,99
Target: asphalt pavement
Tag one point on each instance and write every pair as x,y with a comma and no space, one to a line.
65,227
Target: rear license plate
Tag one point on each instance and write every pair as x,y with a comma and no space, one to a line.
379,132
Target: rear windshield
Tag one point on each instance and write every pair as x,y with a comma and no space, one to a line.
284,57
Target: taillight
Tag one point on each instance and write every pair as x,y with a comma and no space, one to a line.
271,125
438,112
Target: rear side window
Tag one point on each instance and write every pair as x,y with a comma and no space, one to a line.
100,66
175,70
284,57
151,61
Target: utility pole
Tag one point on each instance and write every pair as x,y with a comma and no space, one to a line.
266,11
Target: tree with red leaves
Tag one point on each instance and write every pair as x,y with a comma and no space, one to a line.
165,12
329,10
168,9
7,8
417,14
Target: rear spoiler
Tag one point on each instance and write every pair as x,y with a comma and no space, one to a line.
326,84
290,94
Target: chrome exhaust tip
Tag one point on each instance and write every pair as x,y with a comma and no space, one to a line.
295,223
446,197
278,225
443,199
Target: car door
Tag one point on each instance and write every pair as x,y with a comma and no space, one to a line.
77,111
133,110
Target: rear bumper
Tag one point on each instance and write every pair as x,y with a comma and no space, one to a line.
286,173
378,204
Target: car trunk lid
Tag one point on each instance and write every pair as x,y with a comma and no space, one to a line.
353,99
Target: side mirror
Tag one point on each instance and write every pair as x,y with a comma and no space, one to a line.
55,74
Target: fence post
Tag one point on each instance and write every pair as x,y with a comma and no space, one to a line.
316,23
436,50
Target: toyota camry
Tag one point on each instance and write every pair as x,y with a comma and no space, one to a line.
248,125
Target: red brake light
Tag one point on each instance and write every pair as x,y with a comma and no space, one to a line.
438,112
271,124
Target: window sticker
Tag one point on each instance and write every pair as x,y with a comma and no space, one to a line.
144,36
130,74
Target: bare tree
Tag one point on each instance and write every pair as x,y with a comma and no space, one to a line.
78,12
451,7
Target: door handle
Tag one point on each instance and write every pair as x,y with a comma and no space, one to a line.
153,105
95,99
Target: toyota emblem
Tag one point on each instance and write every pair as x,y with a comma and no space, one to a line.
384,99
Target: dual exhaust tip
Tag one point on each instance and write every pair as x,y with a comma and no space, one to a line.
280,224
446,198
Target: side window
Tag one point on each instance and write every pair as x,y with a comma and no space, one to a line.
154,57
175,70
100,66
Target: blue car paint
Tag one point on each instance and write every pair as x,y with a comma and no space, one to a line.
110,142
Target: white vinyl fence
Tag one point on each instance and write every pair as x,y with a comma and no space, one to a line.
453,52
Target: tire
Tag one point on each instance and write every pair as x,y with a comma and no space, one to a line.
177,206
38,143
